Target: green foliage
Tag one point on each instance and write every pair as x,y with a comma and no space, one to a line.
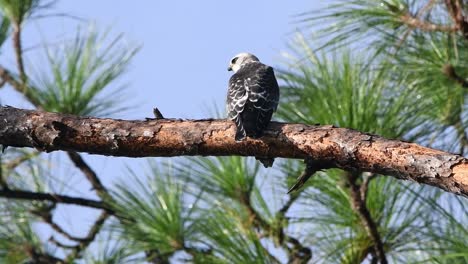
346,91
231,236
450,231
227,178
78,72
4,29
110,250
154,214
428,61
17,236
347,22
18,10
233,177
428,58
408,85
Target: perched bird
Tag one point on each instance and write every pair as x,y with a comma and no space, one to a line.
252,97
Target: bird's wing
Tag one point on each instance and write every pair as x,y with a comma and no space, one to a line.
237,96
263,96
262,89
236,99
252,97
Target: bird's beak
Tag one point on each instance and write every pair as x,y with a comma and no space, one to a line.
229,68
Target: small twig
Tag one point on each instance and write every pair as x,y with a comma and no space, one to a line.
361,210
157,113
16,162
46,216
60,244
293,197
414,22
311,168
155,257
426,8
92,233
52,197
365,184
19,55
9,78
407,33
450,9
38,257
89,173
455,9
299,254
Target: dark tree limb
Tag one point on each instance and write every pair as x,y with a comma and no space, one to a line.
311,168
359,206
336,147
299,254
89,173
7,77
46,216
17,45
60,244
92,233
455,9
365,184
39,257
55,198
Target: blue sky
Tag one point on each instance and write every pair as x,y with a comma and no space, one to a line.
186,45
181,67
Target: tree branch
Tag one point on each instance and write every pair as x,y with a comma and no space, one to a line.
46,216
93,231
51,197
17,45
365,184
299,254
89,173
359,206
337,147
415,22
9,78
455,9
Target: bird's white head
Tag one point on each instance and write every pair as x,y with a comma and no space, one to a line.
240,60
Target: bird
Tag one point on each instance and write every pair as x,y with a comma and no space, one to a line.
252,97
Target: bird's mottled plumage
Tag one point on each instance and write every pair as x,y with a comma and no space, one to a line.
252,97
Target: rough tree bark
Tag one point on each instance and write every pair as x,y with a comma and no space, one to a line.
331,146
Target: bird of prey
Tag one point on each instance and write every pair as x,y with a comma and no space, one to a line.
252,97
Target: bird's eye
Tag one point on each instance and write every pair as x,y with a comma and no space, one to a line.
233,61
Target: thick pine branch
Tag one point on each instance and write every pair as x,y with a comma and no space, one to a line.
335,147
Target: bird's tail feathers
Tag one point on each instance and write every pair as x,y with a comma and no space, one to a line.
240,133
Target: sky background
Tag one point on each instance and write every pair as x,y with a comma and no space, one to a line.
181,68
